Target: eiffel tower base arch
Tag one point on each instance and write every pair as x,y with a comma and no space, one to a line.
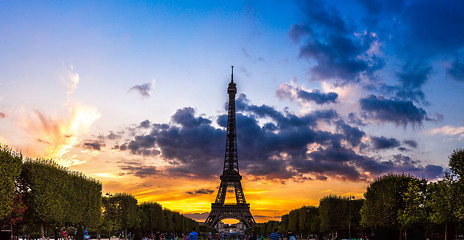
222,211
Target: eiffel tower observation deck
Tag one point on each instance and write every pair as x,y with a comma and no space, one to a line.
230,176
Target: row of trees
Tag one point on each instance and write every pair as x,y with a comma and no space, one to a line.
121,212
53,194
395,206
39,195
335,214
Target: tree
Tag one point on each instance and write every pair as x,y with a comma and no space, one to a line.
413,213
283,224
441,202
456,163
42,184
384,198
126,211
54,194
303,220
293,219
333,212
10,168
150,216
308,220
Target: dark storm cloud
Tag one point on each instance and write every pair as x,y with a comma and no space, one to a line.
352,134
94,145
381,143
141,144
399,112
201,191
285,91
186,118
144,89
283,147
190,143
329,41
318,97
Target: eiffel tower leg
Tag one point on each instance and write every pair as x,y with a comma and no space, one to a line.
240,197
221,196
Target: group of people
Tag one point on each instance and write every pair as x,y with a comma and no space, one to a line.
276,236
186,236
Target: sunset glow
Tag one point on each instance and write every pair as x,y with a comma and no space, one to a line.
330,95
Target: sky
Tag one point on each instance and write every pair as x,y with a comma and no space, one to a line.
331,94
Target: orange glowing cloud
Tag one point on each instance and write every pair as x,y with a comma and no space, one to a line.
59,135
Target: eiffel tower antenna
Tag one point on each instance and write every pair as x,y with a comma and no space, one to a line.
230,175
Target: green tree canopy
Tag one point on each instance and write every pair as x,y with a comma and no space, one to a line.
413,215
54,194
10,168
126,210
333,212
456,163
383,200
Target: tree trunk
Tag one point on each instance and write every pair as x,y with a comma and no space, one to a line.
41,229
405,234
446,231
125,233
401,233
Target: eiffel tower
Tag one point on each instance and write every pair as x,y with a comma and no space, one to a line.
230,176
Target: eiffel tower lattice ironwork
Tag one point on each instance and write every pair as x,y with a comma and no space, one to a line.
230,176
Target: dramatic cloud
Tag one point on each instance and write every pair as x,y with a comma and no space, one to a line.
293,93
366,47
144,89
61,134
352,134
271,144
331,43
201,191
186,118
391,110
381,143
